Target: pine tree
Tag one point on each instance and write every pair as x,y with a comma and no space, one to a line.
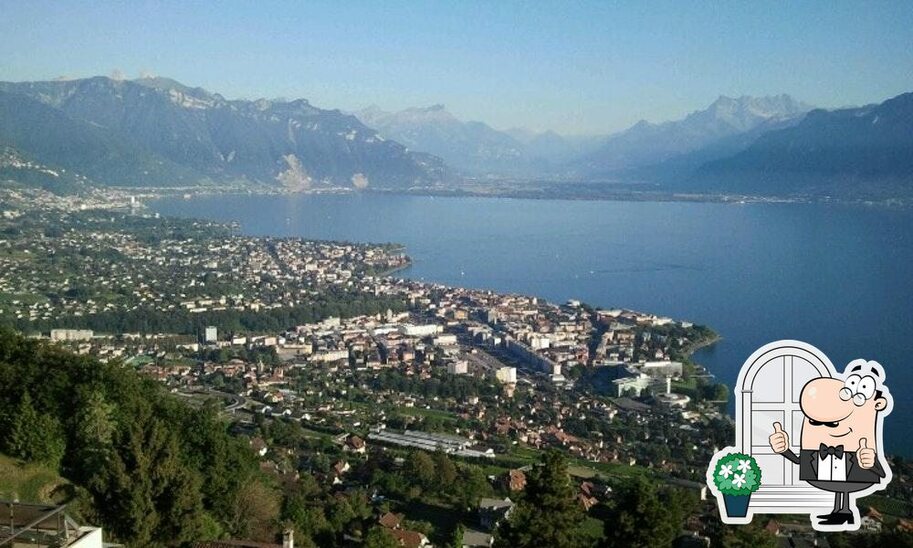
641,515
34,436
146,493
548,514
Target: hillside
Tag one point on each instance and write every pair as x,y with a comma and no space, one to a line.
151,473
158,132
48,135
647,144
856,152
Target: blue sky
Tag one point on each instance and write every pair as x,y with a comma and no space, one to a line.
573,67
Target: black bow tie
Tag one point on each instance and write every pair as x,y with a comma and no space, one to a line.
825,450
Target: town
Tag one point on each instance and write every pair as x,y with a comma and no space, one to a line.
328,365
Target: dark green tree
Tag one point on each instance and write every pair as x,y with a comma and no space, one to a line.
378,537
743,536
643,515
446,472
548,514
146,494
34,436
94,431
421,467
472,485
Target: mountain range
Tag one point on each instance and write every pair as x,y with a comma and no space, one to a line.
864,152
475,148
724,127
158,132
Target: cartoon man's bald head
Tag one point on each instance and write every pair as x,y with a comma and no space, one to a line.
844,411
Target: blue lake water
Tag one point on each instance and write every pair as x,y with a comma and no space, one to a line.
839,277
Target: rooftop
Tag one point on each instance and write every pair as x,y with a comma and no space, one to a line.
43,525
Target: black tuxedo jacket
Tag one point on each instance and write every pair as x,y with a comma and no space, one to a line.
808,466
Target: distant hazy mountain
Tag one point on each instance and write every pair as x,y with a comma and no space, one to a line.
476,147
158,132
718,126
553,148
865,151
472,147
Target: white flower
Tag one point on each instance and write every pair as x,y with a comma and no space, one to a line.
744,465
726,470
738,480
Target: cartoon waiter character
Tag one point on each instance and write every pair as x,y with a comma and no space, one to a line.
841,445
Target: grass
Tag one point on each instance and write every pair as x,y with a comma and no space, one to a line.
612,469
580,468
422,412
314,434
689,384
29,482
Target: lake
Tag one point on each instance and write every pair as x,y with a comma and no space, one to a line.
837,276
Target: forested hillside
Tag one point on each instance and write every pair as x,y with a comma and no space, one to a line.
147,468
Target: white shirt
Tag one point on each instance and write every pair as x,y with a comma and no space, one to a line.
832,468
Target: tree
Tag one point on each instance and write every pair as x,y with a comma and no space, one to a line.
458,533
446,472
421,467
306,515
378,537
152,471
256,511
642,515
35,437
93,433
472,485
145,493
548,514
745,536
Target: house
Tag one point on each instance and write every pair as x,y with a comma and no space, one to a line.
586,502
514,480
492,511
871,520
586,495
477,539
391,520
340,468
409,539
354,444
259,446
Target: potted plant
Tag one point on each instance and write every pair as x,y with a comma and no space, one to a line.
737,476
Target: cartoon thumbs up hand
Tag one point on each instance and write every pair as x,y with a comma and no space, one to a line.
865,455
779,440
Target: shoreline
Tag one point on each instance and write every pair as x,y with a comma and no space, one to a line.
533,193
394,270
703,343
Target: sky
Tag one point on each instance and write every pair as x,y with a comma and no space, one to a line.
573,67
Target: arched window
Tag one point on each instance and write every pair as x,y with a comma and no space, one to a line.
768,390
